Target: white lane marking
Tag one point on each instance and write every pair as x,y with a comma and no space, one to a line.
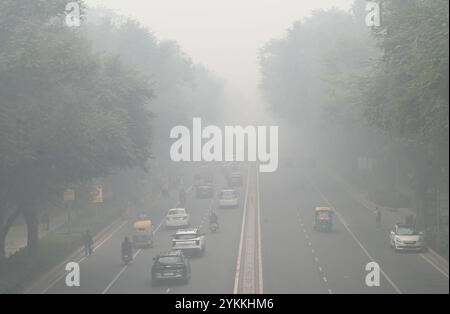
434,265
167,290
330,291
120,273
261,285
309,243
320,269
325,279
316,259
60,277
244,212
343,222
312,251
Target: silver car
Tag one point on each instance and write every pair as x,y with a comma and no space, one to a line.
405,237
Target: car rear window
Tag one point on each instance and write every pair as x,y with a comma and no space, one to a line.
176,212
228,194
168,260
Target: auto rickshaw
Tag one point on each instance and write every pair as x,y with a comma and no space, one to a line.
323,219
143,234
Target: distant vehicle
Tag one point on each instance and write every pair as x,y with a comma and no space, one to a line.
323,219
177,217
228,198
171,266
190,241
143,234
235,179
405,237
204,191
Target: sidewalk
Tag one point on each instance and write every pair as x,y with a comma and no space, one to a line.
390,216
17,235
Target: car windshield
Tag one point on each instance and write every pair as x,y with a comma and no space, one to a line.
228,194
167,260
406,231
176,212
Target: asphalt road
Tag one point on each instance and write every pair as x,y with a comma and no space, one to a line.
295,258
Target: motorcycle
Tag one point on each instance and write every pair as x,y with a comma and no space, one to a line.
213,227
126,259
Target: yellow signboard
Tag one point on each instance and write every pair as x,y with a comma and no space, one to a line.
98,194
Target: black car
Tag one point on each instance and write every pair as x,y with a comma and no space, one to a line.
171,266
204,191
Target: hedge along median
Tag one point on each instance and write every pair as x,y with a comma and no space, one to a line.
20,269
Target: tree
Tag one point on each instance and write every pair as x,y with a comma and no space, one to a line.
65,115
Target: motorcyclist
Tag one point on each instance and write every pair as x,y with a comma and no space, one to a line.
127,248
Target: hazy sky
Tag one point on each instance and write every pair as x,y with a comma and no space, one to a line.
225,35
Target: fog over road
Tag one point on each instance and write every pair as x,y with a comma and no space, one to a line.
295,258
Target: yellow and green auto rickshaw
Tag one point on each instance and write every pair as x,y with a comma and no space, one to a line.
323,219
143,234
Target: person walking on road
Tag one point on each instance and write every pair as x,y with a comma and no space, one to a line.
88,242
378,217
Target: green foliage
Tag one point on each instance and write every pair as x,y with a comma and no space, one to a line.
66,115
408,93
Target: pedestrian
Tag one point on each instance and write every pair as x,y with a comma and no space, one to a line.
378,217
88,242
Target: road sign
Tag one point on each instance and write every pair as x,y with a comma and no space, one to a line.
98,194
69,195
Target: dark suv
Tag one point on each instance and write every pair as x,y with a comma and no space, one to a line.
171,266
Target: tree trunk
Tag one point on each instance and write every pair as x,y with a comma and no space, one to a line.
5,225
31,219
2,240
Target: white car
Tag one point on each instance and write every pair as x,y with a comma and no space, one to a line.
191,241
228,198
177,217
405,237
